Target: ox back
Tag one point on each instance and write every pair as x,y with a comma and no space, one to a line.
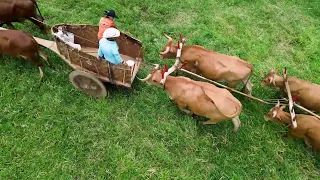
16,43
18,11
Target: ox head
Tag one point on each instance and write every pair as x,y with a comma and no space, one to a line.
274,113
154,77
169,51
270,79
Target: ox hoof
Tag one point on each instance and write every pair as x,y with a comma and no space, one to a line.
88,83
41,73
52,67
193,116
284,136
203,122
190,113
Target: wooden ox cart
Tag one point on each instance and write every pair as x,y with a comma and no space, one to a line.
89,72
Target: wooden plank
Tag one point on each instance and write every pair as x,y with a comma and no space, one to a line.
52,45
102,78
90,50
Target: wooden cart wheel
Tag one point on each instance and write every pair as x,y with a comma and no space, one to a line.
88,84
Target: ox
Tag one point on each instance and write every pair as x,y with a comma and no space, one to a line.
20,44
201,98
20,10
308,127
308,93
212,65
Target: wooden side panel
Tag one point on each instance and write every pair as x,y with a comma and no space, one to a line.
86,36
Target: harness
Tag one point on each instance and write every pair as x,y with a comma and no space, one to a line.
175,66
165,70
291,109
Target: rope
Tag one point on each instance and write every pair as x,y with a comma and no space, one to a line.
231,89
306,110
266,101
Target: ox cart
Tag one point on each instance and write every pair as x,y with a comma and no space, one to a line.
89,71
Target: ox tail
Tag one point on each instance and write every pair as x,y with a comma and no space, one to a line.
236,122
238,109
36,4
44,56
247,82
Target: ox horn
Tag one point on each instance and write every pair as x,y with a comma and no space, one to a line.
278,104
156,66
149,75
145,79
168,37
166,51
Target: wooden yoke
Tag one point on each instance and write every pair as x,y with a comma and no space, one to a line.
175,66
291,109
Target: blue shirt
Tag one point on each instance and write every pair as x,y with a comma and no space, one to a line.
109,50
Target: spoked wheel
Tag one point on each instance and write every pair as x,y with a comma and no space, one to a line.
88,83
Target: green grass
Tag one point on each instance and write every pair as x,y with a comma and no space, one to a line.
53,131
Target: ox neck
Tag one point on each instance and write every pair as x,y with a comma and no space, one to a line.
168,83
190,49
285,117
279,82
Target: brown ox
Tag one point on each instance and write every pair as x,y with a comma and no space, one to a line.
20,44
308,127
212,65
308,93
201,98
18,11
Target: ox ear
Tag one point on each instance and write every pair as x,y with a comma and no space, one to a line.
274,114
172,50
271,79
273,72
282,108
165,51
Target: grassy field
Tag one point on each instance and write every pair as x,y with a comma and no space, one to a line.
53,131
